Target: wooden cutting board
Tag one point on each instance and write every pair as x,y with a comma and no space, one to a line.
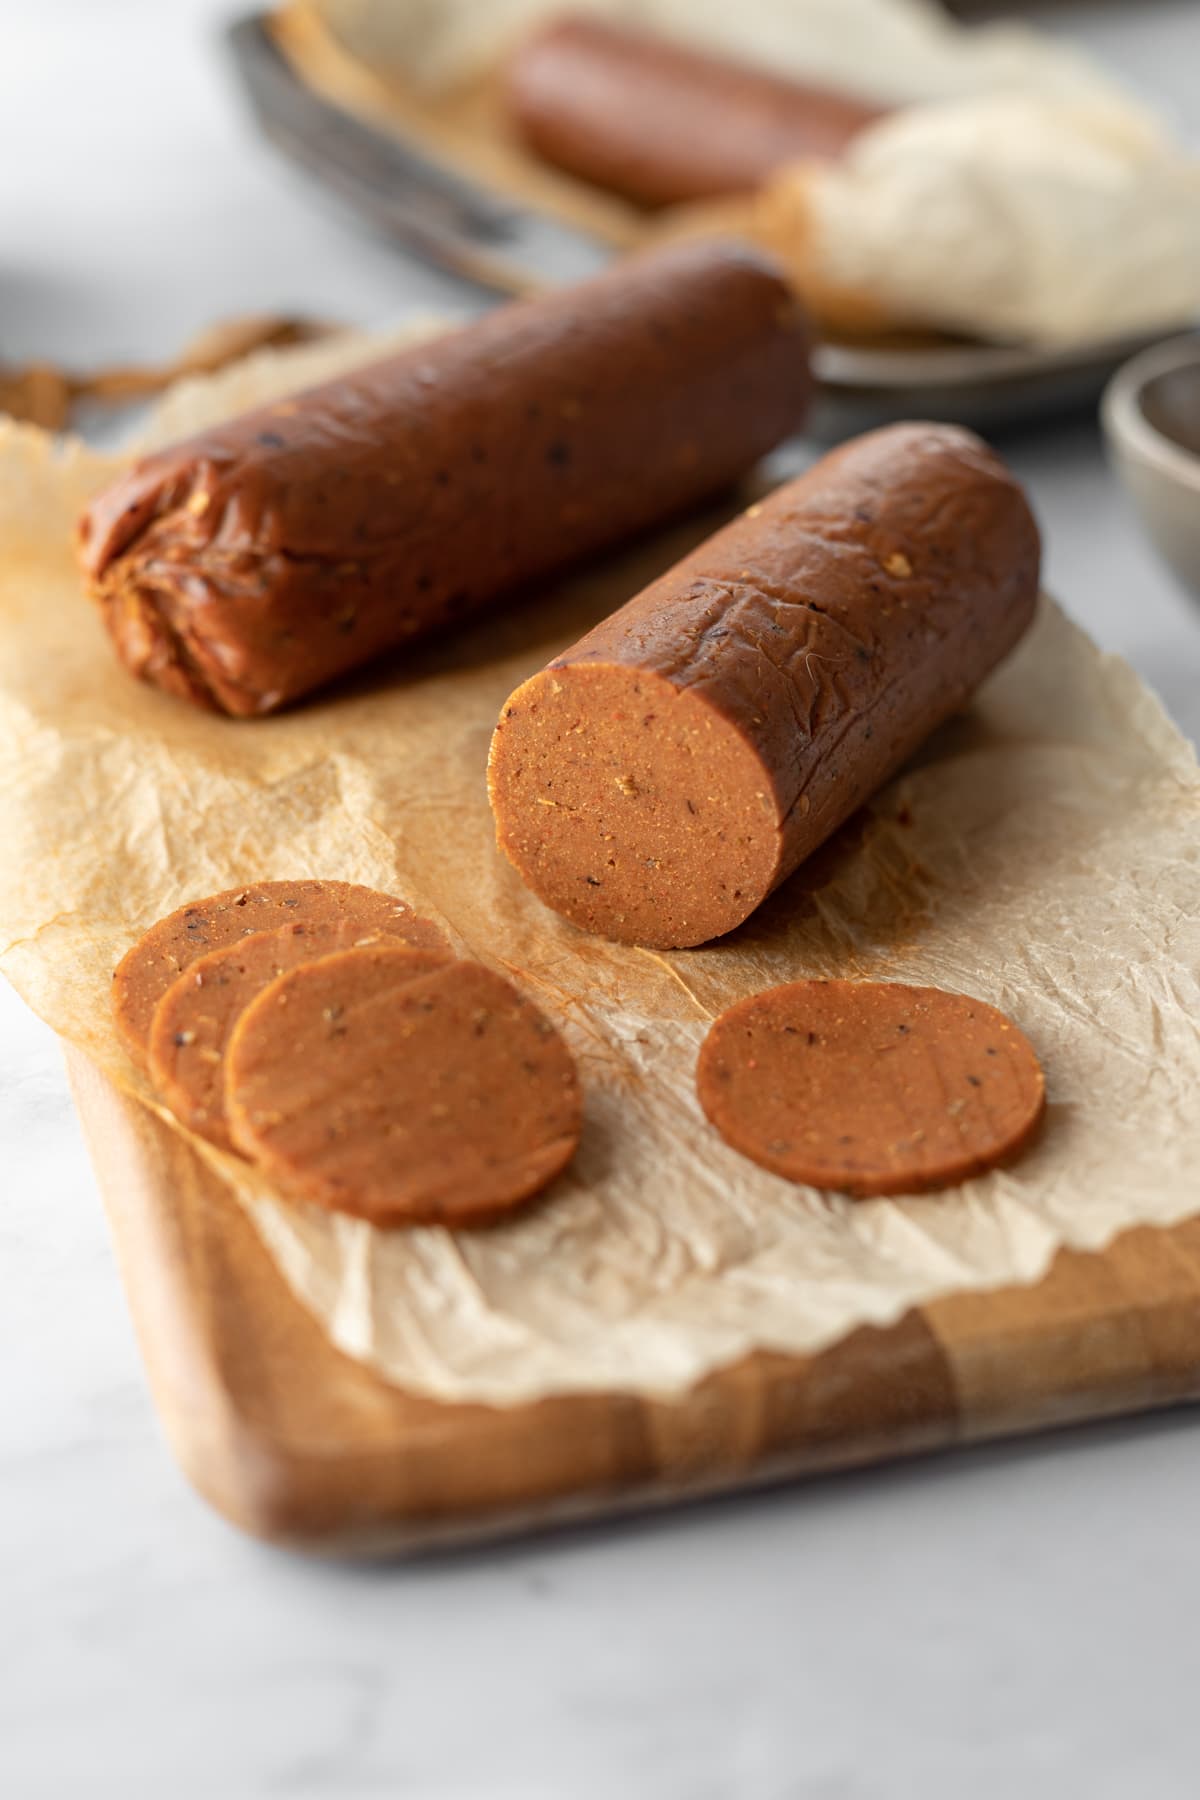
298,1444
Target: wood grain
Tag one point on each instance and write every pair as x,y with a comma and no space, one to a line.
298,1444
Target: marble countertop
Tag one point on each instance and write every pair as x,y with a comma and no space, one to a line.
1019,1619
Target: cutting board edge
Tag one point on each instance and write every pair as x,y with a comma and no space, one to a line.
377,1471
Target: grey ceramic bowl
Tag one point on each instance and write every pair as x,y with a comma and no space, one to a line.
1151,414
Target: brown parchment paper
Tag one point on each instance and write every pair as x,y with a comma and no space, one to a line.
1043,854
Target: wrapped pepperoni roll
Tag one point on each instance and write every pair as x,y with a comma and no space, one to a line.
659,123
660,778
261,559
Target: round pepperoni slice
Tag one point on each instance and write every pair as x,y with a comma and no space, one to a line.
448,1099
195,1017
870,1087
168,948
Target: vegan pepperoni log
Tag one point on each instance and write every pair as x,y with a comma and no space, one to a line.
660,778
660,123
256,562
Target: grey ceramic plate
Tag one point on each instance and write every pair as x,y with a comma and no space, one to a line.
492,240
982,385
1151,415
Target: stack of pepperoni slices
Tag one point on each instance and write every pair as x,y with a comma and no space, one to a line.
330,1035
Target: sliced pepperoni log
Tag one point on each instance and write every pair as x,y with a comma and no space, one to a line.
663,775
174,943
870,1087
196,1016
448,1099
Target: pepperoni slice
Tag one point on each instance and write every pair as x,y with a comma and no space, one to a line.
448,1099
870,1087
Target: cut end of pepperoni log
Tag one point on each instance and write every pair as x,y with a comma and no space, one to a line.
870,1087
632,806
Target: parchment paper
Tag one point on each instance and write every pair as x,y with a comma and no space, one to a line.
1043,854
899,51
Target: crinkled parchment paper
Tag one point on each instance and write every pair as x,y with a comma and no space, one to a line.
1042,854
896,50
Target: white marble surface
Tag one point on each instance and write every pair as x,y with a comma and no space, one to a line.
1020,1620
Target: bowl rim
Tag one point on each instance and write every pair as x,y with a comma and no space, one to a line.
1124,415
